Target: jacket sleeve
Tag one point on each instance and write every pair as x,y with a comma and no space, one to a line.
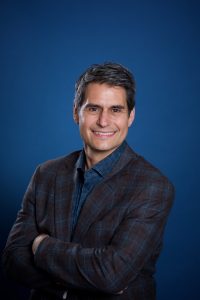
17,258
111,268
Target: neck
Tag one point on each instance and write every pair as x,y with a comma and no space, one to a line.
93,157
92,160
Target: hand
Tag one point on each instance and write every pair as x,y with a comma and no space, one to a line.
121,292
37,241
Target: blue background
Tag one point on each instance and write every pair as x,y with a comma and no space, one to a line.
45,45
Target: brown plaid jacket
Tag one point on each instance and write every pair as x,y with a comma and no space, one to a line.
117,240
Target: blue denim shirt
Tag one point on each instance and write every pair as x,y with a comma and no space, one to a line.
87,180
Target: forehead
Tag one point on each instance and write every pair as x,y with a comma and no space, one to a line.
105,94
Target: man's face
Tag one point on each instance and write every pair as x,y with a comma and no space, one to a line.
103,119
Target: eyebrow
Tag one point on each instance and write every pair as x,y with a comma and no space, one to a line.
92,105
99,106
118,106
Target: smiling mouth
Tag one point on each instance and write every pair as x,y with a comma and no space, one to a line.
102,134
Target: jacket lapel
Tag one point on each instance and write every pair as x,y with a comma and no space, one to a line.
64,187
101,198
96,204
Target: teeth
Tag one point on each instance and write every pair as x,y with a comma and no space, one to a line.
103,133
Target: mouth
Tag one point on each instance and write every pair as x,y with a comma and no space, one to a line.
104,134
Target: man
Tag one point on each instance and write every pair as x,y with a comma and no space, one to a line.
91,223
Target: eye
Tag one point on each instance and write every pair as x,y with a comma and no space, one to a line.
92,109
116,109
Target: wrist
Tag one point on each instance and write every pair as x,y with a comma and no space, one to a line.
37,241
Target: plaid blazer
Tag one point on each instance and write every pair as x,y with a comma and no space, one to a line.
117,240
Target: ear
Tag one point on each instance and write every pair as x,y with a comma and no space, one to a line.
75,114
131,117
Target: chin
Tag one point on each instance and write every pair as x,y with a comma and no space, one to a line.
105,147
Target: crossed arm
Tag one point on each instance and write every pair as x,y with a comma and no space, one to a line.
47,263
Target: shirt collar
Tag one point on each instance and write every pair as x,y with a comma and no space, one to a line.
104,166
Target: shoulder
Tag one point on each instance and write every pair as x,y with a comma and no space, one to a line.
58,164
144,183
142,172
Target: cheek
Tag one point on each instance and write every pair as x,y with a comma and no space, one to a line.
84,124
122,125
87,121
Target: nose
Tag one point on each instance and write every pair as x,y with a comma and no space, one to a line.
103,119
